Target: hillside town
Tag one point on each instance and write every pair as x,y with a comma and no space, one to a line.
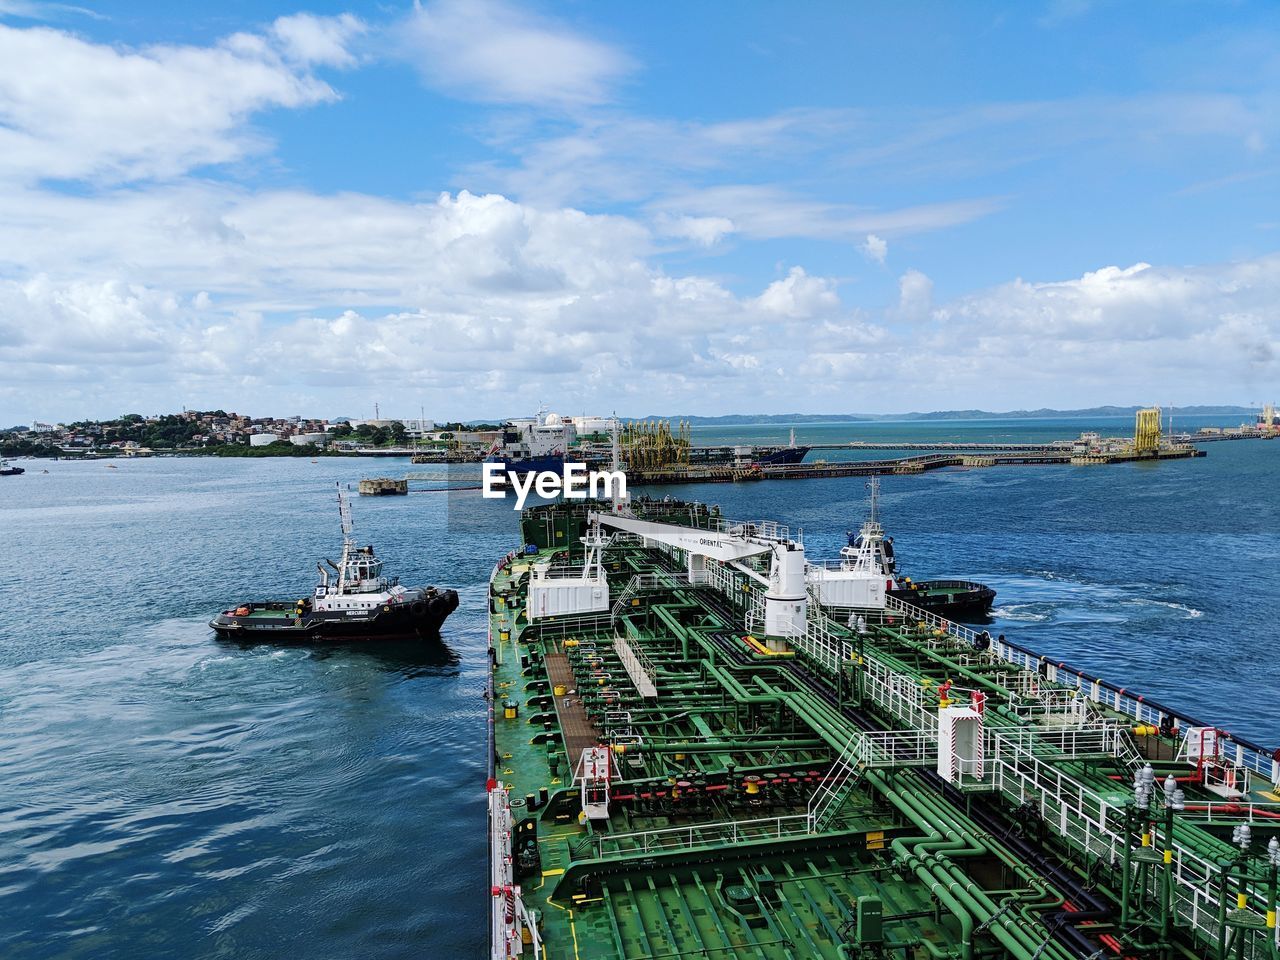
204,431
222,433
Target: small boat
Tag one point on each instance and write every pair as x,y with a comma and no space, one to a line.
353,601
964,600
9,470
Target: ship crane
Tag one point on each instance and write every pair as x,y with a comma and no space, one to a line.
786,599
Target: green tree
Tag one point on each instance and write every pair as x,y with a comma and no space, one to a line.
398,435
341,430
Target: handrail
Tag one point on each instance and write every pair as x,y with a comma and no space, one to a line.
699,835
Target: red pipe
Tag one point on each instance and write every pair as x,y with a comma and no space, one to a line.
1234,808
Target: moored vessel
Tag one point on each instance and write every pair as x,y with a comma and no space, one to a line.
9,470
964,600
353,601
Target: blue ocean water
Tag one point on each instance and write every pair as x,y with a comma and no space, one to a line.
166,794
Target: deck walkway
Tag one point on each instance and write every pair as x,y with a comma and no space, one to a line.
575,727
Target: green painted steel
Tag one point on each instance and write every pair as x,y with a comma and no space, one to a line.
743,820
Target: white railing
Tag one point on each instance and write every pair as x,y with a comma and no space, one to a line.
643,583
554,628
823,647
913,614
703,834
1089,822
1096,740
508,918
639,668
828,798
1258,761
898,695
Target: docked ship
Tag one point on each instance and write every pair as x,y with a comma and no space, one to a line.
695,752
534,444
869,549
9,470
353,601
749,454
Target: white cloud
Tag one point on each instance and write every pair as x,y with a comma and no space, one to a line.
874,249
492,51
799,296
915,296
770,213
308,39
704,231
71,109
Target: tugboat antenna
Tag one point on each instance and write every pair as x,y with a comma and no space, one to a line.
344,513
874,486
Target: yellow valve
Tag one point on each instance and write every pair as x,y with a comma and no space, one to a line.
1242,901
1168,857
753,785
560,689
1271,919
1146,839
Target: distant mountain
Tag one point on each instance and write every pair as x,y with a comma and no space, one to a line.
1045,413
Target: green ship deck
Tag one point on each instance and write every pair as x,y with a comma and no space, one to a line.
899,787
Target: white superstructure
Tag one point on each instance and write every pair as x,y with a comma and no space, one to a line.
865,570
355,583
545,435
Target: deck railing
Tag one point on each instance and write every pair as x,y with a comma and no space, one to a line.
696,835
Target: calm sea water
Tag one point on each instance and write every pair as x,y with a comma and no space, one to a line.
165,794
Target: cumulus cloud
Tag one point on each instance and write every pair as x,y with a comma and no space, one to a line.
874,249
492,51
72,109
915,296
799,296
308,39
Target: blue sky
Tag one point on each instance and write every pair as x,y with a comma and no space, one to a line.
706,208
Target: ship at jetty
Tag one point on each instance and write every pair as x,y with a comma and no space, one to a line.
8,470
702,744
353,601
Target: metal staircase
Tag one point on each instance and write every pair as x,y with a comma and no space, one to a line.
841,780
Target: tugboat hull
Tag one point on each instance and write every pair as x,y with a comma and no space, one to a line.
962,600
276,621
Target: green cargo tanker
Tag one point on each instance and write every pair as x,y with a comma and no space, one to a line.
704,745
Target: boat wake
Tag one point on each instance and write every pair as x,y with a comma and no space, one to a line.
1023,613
1189,612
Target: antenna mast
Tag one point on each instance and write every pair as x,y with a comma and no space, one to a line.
344,514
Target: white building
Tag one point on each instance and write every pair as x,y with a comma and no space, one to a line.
585,425
302,439
262,439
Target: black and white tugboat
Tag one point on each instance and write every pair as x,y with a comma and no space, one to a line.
353,601
8,470
963,600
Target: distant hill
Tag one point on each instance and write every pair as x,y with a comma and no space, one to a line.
1045,413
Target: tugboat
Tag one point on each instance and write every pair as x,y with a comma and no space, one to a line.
353,601
8,470
963,600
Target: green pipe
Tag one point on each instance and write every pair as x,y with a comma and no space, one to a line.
727,746
1015,935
